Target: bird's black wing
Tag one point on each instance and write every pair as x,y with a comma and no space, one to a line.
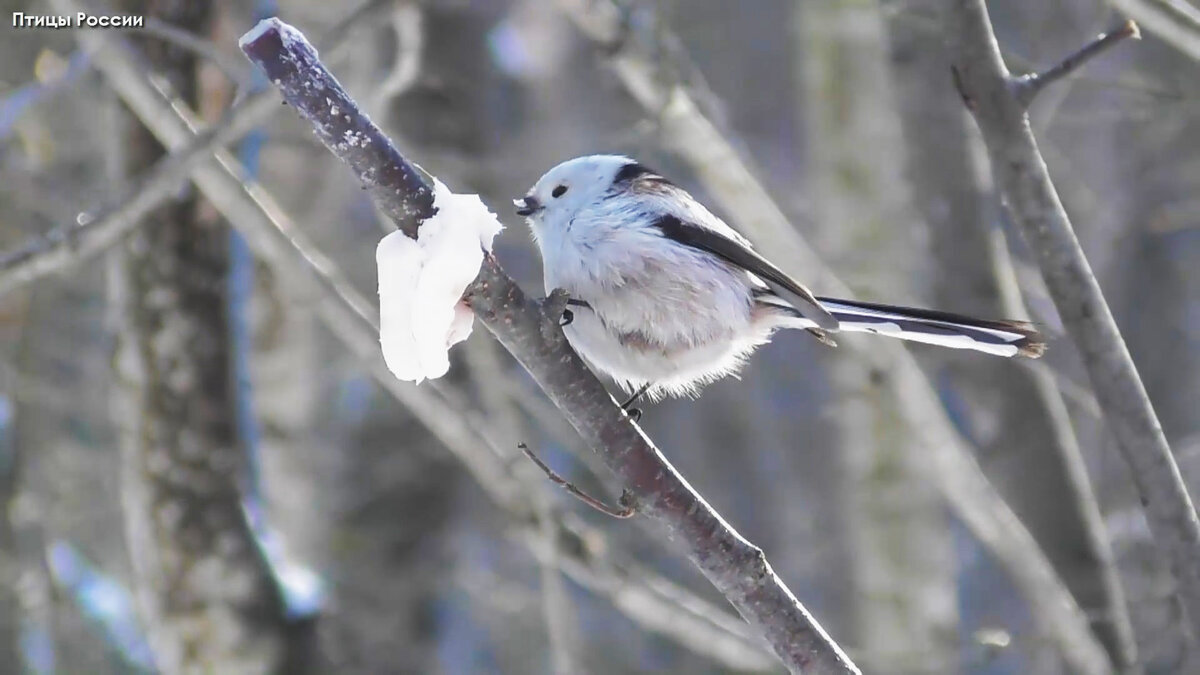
740,255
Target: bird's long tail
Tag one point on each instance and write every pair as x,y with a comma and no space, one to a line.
1002,338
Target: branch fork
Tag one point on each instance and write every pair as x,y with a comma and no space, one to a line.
1026,87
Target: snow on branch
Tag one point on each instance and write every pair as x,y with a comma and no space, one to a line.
737,568
422,279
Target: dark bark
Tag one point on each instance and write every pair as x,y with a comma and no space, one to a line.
208,597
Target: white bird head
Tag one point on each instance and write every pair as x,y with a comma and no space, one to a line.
572,185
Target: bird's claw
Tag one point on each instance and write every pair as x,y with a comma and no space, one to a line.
635,414
555,306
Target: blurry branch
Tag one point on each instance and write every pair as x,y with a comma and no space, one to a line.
69,245
656,603
1082,497
353,319
1174,21
233,68
738,569
731,181
1026,87
1020,172
1022,415
407,21
899,545
17,100
103,601
64,247
486,368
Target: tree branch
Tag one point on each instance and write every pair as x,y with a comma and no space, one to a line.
1021,174
1174,21
1113,625
737,568
729,177
1027,87
316,283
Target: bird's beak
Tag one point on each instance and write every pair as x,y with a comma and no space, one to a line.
527,206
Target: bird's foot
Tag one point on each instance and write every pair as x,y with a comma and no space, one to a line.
555,306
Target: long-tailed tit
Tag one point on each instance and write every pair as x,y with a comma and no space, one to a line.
673,298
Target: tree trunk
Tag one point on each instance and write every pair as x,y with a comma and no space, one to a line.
208,597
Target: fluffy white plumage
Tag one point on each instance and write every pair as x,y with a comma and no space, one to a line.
676,298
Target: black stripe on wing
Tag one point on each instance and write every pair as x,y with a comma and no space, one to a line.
1029,342
747,259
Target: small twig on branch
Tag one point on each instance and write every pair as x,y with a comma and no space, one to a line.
1175,22
1027,87
627,509
737,568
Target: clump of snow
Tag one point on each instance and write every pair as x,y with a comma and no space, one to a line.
421,281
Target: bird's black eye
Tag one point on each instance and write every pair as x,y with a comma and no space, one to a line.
559,191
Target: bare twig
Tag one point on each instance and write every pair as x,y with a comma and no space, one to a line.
315,282
730,179
407,20
627,509
1027,87
65,247
1176,22
737,568
1022,177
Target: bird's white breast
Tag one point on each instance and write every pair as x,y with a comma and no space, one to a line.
661,312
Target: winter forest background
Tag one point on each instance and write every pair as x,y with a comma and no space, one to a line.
401,550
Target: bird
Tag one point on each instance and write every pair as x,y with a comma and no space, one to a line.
671,298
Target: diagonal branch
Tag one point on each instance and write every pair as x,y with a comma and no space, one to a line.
314,281
1027,87
735,566
1021,174
729,177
